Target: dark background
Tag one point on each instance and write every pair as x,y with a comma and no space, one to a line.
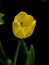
39,39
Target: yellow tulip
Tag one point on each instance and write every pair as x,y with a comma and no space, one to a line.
23,25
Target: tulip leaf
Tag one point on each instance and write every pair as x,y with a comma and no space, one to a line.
24,50
31,57
1,15
1,20
3,58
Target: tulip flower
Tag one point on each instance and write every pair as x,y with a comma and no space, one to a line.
23,25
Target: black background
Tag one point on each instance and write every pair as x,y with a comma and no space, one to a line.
39,39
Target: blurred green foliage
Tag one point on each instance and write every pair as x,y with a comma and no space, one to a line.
1,20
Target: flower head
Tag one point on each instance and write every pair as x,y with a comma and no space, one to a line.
23,25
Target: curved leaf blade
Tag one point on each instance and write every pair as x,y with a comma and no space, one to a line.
31,57
3,58
1,20
1,15
24,50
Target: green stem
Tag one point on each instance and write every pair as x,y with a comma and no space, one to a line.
16,53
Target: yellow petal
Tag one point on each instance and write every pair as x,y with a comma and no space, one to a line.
20,16
23,25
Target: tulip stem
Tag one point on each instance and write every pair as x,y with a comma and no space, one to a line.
16,53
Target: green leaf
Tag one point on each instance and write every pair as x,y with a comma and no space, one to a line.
1,15
24,50
3,58
31,57
1,20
